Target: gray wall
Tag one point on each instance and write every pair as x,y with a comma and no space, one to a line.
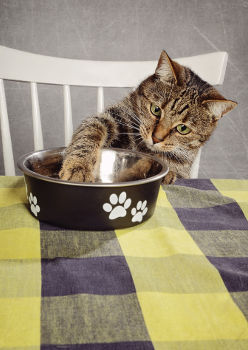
129,30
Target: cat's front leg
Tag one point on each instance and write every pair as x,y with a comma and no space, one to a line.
81,156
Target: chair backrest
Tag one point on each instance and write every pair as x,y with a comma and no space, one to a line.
24,66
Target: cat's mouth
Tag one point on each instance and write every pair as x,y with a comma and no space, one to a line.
157,140
159,145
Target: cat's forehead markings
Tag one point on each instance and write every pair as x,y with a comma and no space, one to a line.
185,119
163,104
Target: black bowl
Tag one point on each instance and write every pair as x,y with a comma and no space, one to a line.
116,199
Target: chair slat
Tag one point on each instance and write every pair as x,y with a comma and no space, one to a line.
68,125
37,130
100,100
195,166
8,158
26,66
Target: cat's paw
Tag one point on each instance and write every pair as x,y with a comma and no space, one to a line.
76,171
117,208
139,211
170,178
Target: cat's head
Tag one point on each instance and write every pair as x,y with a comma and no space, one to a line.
178,111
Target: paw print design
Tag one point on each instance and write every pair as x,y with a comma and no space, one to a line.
33,204
117,208
139,211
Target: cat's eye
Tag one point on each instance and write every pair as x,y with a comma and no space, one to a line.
183,129
156,110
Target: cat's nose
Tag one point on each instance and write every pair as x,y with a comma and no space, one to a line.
155,139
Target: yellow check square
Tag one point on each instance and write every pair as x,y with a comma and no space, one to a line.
157,242
185,317
19,322
10,196
20,243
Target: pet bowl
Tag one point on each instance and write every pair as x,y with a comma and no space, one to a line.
118,198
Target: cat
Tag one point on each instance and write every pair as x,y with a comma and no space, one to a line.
171,114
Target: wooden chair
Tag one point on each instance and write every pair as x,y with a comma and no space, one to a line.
24,66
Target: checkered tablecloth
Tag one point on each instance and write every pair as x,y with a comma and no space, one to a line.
176,281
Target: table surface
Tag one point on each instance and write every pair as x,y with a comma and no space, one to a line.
177,281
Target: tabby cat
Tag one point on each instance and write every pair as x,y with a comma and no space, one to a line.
171,114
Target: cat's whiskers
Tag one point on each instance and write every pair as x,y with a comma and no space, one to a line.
139,142
130,126
139,138
143,130
128,123
134,117
131,114
129,133
180,153
133,122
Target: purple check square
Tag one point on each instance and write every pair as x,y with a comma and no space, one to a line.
220,217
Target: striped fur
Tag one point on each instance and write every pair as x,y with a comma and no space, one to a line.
183,98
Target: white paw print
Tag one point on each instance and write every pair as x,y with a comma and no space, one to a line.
120,210
139,211
33,204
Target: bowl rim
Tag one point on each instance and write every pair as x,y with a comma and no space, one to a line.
28,172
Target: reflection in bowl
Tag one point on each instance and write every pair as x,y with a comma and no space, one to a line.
123,194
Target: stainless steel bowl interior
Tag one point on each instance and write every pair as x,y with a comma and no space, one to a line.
113,166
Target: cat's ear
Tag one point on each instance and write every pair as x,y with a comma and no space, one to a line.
219,107
167,69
